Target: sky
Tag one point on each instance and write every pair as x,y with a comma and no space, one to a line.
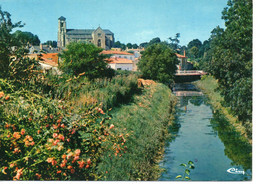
134,21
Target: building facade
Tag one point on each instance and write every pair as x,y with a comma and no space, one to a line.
103,38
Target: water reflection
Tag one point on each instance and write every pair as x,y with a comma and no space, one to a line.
205,138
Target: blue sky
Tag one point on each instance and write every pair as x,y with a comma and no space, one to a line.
133,21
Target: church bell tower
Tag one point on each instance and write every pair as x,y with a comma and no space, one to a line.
61,31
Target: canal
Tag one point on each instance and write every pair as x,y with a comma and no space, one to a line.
206,139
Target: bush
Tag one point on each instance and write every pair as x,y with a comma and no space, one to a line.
81,57
45,139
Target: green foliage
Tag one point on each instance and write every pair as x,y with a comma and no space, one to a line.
188,166
146,119
175,42
231,61
82,57
158,63
51,43
7,41
14,66
43,139
210,86
26,37
118,44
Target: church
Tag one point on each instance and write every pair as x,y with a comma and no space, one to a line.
103,38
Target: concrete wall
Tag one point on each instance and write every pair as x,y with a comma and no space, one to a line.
122,66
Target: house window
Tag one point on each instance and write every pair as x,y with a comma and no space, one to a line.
119,68
99,34
125,57
99,43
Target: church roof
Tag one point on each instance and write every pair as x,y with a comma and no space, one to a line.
62,18
85,31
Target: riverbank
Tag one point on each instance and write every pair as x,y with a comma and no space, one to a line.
209,85
147,120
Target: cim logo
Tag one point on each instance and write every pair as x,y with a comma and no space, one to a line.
235,171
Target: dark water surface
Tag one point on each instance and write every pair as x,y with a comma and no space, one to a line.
205,138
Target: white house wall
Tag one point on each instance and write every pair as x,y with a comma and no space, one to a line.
122,66
131,57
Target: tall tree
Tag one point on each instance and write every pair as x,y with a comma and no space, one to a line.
231,61
13,65
26,37
175,42
82,57
158,63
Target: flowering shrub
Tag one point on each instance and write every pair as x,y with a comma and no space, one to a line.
46,139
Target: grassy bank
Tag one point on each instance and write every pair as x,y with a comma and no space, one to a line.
146,120
209,86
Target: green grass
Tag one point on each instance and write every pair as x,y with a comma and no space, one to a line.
146,120
209,86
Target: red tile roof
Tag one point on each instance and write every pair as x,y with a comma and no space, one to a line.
119,61
115,52
51,56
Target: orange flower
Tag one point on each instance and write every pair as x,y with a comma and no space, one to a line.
64,156
69,167
56,142
89,161
58,171
72,171
16,135
7,97
22,132
59,121
38,131
76,158
111,126
81,164
54,162
1,94
16,150
49,160
19,174
77,151
54,135
62,126
55,126
87,166
38,176
32,143
62,164
61,137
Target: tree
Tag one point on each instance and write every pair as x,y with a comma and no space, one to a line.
196,42
135,46
144,44
194,52
175,42
154,41
129,45
117,44
26,37
82,57
158,63
51,43
13,65
231,57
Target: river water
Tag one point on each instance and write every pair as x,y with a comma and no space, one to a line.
206,139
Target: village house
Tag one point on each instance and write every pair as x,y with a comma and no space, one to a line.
120,63
120,60
184,63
